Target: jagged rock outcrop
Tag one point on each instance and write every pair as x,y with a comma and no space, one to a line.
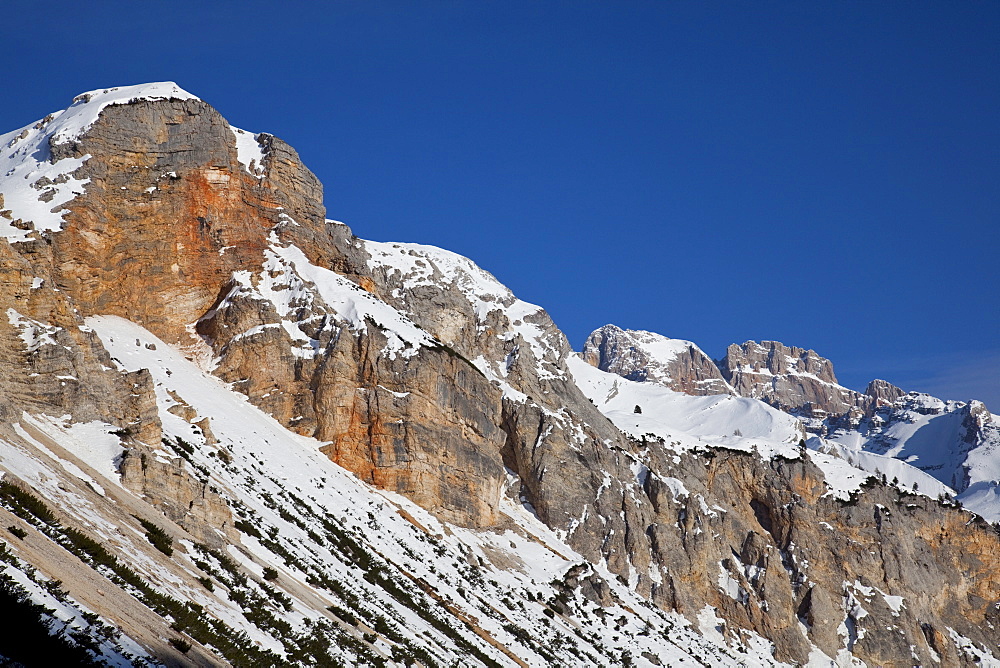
883,392
771,549
170,486
649,357
790,379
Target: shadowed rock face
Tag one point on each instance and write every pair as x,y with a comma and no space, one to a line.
175,234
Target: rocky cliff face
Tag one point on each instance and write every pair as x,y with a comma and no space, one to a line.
883,392
774,551
646,356
788,378
176,246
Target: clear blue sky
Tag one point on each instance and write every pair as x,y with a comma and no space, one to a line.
824,174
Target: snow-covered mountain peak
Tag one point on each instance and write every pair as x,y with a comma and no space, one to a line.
86,107
650,357
68,124
421,265
39,163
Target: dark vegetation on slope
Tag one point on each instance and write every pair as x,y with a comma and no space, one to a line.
28,638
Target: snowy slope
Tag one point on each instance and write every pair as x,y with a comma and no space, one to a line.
953,444
489,589
722,420
684,422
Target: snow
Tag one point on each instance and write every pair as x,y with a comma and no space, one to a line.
92,442
730,586
249,152
65,615
26,168
77,119
924,440
355,305
687,422
34,334
659,347
979,656
711,625
849,467
420,266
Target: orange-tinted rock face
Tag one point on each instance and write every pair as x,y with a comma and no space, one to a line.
168,215
168,218
427,428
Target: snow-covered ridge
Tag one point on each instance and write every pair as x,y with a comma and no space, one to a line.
355,305
660,347
422,265
938,448
957,445
414,266
68,124
684,421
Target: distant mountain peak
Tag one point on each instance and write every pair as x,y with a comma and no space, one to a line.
649,357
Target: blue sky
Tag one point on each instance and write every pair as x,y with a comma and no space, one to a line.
824,174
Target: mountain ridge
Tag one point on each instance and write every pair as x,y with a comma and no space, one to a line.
487,450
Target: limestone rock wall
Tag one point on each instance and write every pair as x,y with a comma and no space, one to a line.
766,545
790,379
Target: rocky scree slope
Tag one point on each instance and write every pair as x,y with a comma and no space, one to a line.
189,338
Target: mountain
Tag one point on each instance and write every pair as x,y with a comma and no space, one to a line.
790,379
955,442
647,356
950,447
234,433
